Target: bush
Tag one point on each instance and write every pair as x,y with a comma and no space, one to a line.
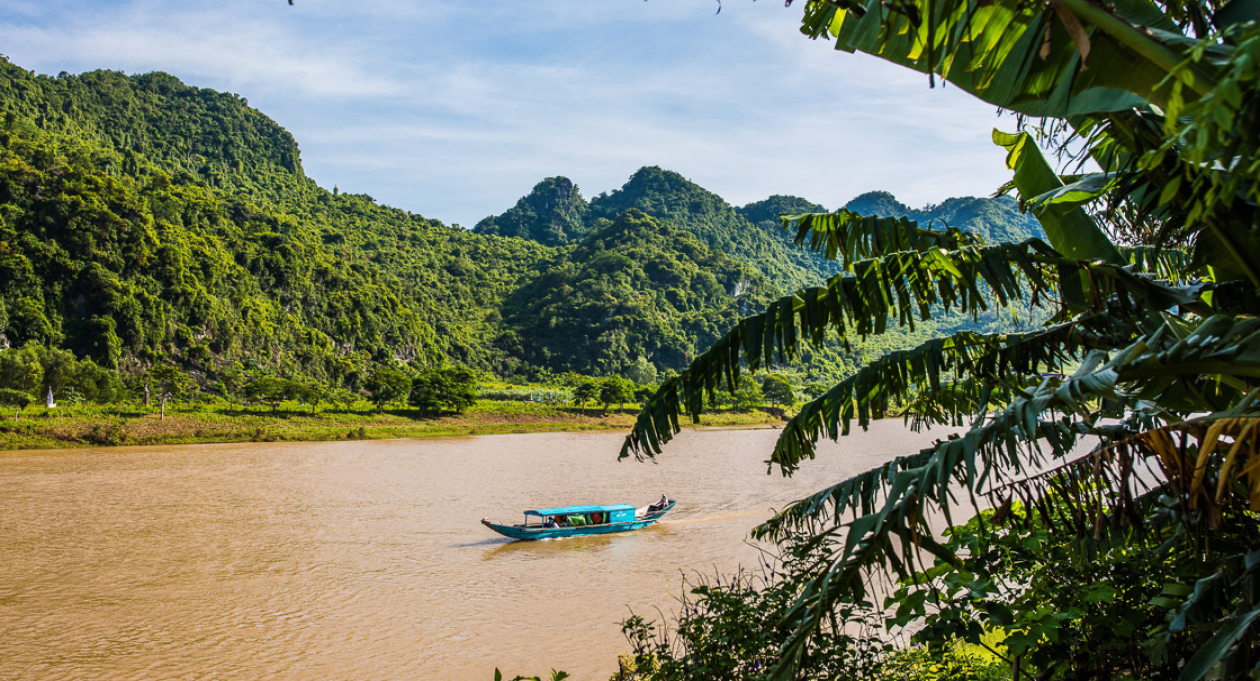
108,434
732,628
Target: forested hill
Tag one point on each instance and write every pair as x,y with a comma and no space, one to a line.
147,222
143,221
555,213
634,291
155,122
993,219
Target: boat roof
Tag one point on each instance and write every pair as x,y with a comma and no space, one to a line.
572,510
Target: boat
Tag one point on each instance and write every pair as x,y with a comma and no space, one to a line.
580,521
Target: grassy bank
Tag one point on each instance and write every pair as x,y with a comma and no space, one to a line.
89,425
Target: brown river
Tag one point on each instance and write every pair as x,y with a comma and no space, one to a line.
366,560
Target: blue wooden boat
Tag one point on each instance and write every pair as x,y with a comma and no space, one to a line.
578,521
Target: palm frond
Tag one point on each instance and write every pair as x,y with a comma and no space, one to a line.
994,363
852,236
891,504
1070,229
1169,264
1026,57
895,288
1219,349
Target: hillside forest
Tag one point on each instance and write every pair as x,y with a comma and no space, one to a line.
148,226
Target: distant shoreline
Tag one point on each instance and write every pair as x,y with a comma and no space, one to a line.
93,425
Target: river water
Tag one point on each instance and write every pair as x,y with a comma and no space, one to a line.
366,560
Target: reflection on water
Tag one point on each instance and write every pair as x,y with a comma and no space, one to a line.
366,560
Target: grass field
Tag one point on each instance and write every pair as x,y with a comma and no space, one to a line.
88,425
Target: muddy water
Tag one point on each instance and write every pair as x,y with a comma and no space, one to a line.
366,560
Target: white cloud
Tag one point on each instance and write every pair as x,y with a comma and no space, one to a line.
245,51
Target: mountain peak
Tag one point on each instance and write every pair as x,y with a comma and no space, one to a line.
879,203
553,213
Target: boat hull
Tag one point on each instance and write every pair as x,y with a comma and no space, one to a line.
538,532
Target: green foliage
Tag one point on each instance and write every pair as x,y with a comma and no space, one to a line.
552,214
955,661
990,220
642,372
555,676
311,394
615,389
148,221
731,627
270,390
672,199
635,288
388,385
1125,419
36,369
586,392
20,369
16,399
745,396
168,382
449,388
1050,592
777,390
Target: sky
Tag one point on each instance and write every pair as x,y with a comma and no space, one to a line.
456,109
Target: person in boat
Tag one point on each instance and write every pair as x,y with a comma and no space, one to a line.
551,522
653,508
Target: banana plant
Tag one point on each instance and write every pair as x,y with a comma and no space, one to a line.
1149,360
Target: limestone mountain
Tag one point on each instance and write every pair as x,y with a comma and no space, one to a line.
634,288
995,220
552,214
146,221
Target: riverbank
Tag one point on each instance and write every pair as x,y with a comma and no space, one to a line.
92,425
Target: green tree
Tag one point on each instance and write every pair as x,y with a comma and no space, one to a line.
94,382
60,368
17,399
20,369
387,385
585,392
642,372
745,397
232,380
777,390
1148,359
169,382
451,388
615,389
309,393
344,397
271,390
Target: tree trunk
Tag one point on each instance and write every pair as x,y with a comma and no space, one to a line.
163,417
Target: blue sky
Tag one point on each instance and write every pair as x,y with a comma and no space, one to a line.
454,110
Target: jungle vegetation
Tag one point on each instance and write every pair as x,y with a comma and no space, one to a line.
145,222
1100,508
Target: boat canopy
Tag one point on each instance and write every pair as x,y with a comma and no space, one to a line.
574,510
